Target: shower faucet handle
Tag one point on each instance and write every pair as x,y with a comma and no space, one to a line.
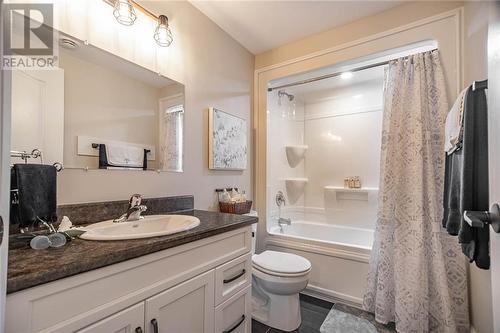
280,199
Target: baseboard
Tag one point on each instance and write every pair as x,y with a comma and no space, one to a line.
333,297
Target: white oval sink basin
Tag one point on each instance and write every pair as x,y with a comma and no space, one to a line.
149,226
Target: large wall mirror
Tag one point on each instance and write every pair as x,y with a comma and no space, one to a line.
98,111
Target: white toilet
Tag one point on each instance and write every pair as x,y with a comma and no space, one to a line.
277,279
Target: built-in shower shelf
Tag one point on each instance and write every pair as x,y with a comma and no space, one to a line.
296,180
295,188
356,194
295,154
351,190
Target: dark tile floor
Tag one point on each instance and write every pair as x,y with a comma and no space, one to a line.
314,312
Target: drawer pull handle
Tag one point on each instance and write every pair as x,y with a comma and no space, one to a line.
235,325
138,330
235,277
154,322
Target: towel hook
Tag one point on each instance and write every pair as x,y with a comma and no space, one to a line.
480,219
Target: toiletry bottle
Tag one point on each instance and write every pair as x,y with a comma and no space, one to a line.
357,182
225,197
351,182
346,182
243,196
235,195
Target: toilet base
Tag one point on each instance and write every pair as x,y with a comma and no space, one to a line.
277,311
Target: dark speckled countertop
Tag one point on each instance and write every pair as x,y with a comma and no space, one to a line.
29,268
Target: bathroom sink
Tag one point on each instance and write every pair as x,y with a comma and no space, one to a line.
149,226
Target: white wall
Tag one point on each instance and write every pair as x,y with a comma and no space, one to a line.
340,122
216,71
286,127
343,133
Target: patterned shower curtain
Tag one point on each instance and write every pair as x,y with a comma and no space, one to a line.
417,275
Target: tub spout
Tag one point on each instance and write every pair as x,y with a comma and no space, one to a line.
283,220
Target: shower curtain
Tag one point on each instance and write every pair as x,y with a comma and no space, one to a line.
417,276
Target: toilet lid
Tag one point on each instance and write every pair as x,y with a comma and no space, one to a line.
281,262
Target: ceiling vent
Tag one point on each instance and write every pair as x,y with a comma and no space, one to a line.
68,43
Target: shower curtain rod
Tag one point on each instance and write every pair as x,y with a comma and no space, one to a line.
328,76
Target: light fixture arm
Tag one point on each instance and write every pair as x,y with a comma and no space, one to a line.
143,10
136,6
125,14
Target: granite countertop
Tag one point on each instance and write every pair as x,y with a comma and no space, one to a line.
28,268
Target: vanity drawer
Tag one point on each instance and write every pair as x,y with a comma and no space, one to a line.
235,314
232,276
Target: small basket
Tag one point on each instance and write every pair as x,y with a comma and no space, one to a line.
235,207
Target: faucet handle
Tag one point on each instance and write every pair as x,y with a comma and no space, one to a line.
280,199
135,200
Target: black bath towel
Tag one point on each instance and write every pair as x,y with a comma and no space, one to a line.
36,187
466,180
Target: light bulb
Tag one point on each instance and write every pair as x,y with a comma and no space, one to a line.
124,12
163,35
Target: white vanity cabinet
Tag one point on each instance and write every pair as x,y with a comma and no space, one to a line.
130,320
187,307
234,315
199,287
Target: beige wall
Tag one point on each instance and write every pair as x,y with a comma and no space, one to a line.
398,16
216,71
476,68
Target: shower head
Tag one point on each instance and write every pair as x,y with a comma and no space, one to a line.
282,93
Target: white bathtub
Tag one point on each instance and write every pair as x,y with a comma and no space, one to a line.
333,234
339,256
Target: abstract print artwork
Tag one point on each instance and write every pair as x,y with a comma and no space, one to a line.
227,141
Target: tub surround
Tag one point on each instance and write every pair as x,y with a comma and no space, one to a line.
28,268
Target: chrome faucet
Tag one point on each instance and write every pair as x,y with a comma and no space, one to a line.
283,220
280,201
134,210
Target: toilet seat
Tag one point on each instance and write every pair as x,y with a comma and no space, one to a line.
281,264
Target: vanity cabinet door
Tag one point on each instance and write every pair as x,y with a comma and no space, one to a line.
130,320
187,307
235,314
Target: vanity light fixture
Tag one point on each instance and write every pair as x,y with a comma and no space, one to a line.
124,12
163,35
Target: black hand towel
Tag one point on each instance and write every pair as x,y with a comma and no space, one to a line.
36,186
466,180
